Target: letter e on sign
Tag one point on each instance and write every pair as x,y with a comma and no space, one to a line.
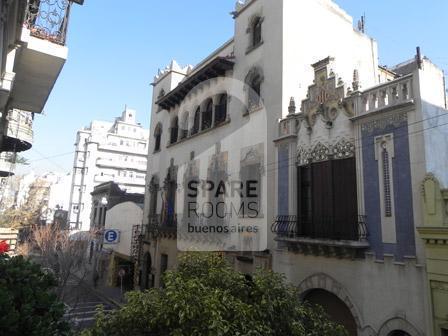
111,236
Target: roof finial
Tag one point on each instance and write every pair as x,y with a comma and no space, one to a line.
292,106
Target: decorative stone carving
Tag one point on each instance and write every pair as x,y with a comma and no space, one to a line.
289,126
325,96
434,202
320,153
343,149
303,157
253,156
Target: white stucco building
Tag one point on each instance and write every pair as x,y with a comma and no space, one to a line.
122,217
218,120
338,178
107,151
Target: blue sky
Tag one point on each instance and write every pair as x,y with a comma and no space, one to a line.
116,47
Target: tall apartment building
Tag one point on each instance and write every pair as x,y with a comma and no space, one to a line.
338,177
33,51
107,151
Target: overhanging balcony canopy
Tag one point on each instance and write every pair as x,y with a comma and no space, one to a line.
215,68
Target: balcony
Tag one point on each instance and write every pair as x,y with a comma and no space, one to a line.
18,131
7,164
42,55
115,163
112,147
158,228
324,237
388,95
125,180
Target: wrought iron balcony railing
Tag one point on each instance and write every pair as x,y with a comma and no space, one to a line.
157,226
327,228
48,19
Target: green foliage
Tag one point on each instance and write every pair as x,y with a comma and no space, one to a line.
206,297
27,304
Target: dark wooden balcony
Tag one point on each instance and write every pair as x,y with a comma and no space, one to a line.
323,236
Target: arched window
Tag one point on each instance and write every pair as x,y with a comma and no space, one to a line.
174,131
158,137
221,110
256,31
254,98
184,126
207,115
196,120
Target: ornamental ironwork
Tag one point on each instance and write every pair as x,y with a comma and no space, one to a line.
48,19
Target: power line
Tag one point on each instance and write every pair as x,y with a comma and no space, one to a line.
49,160
52,157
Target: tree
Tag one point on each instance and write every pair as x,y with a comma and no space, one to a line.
31,211
28,305
65,255
205,296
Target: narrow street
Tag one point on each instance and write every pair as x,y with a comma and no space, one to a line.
82,303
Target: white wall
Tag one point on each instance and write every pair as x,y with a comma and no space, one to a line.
314,30
123,217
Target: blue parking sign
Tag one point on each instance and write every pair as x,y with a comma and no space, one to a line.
111,236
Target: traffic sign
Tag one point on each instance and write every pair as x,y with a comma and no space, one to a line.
111,236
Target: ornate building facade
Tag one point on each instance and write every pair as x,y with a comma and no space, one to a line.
338,173
350,164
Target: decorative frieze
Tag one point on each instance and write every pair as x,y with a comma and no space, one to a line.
380,124
343,149
320,153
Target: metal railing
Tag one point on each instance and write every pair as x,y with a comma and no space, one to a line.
292,226
48,19
157,225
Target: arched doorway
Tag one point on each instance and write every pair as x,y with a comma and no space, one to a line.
398,333
336,309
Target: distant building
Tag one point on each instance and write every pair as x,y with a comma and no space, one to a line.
122,218
104,197
113,208
107,151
